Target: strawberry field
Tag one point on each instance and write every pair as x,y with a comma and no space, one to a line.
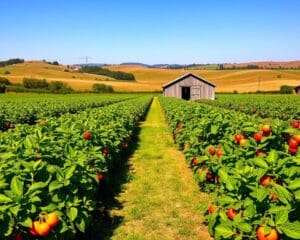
50,171
248,165
284,107
31,108
58,154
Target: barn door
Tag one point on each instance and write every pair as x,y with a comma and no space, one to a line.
196,92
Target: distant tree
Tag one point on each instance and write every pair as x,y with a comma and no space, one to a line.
59,87
6,72
2,88
4,81
55,63
11,62
35,83
102,88
284,89
106,72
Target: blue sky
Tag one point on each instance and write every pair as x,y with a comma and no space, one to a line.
191,31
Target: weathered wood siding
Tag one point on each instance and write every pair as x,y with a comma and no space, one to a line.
199,89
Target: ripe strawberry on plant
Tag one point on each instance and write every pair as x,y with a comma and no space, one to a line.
273,197
258,136
219,153
195,160
211,151
266,130
100,176
243,142
105,150
293,143
293,151
40,228
231,213
261,235
297,138
211,208
260,153
238,138
265,180
296,124
52,219
87,135
209,176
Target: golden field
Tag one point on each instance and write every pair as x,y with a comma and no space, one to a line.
151,79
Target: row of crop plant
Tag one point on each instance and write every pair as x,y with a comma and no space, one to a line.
50,171
249,166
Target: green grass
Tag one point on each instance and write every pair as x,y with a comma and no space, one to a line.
160,201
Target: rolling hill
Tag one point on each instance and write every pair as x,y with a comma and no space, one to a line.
151,79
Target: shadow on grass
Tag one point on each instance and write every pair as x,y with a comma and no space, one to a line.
104,224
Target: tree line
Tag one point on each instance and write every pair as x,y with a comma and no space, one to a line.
43,86
106,72
11,62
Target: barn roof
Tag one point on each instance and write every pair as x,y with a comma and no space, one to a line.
185,76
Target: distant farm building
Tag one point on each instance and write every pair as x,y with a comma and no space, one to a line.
297,90
189,87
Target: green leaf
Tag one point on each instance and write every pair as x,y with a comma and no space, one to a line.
277,209
282,217
211,223
244,227
5,199
36,186
214,129
283,194
297,194
223,175
223,200
50,208
260,162
16,186
15,209
72,213
295,184
272,157
80,224
292,230
69,172
224,231
230,184
6,155
249,129
27,222
260,193
202,207
55,185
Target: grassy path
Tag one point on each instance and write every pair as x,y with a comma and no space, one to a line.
160,202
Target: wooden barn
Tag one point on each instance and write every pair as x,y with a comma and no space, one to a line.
297,90
189,87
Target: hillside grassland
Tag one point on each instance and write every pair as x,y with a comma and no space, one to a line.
152,79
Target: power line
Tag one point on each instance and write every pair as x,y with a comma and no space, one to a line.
86,59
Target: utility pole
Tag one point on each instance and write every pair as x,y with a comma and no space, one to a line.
86,59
